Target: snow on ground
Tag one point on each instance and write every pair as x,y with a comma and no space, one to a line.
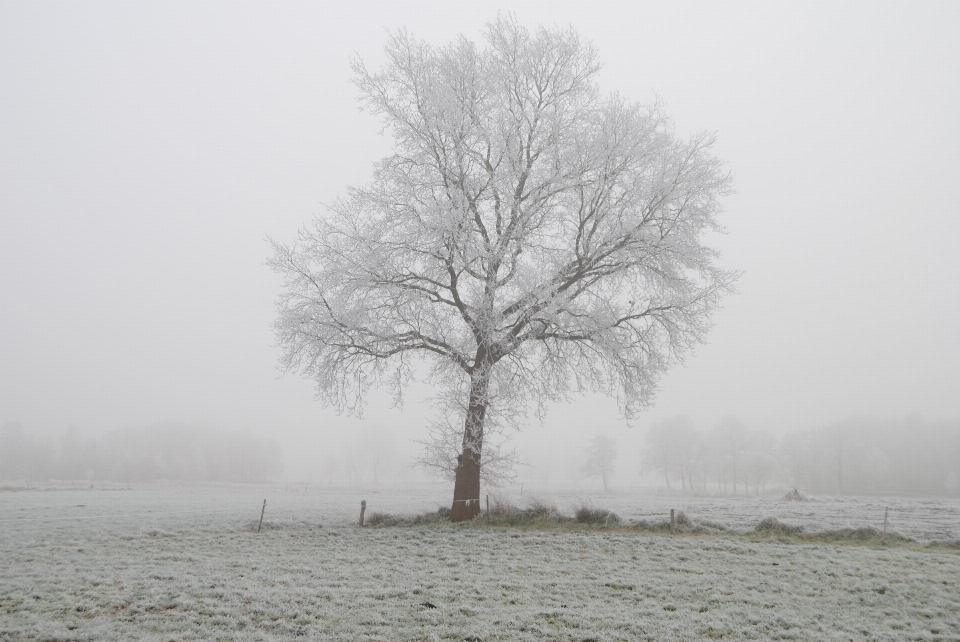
188,564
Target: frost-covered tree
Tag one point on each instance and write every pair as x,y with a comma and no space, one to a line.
528,238
600,457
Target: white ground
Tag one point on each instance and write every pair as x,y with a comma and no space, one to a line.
187,564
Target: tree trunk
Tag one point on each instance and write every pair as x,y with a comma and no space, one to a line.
466,488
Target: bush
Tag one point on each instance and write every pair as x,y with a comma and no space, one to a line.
442,514
502,507
382,519
503,511
589,515
544,510
862,533
772,525
795,496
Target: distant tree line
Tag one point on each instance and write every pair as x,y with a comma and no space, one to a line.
168,452
857,455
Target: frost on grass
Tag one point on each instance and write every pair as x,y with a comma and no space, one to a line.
207,575
442,581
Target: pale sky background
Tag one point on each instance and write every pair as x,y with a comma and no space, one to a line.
148,149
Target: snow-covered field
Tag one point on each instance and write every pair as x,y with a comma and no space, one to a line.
183,563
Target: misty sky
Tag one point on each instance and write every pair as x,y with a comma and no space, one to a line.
148,149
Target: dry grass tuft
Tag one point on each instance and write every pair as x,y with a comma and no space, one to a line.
546,510
795,496
773,526
538,511
442,514
590,515
382,519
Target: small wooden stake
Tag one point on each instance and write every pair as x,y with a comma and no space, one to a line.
488,508
883,537
261,515
671,520
363,509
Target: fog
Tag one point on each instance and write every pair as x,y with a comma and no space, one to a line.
147,151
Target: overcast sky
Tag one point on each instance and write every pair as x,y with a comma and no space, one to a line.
148,149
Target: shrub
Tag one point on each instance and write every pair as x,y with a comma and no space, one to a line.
774,526
795,496
544,510
503,507
589,515
442,514
382,519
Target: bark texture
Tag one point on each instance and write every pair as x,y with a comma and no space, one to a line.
466,488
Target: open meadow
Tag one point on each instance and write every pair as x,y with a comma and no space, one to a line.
180,563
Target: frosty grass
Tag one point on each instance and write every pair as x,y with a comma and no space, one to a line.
188,564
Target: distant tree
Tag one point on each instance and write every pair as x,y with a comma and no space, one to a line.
839,438
673,446
528,238
731,442
761,465
600,457
332,463
657,452
760,468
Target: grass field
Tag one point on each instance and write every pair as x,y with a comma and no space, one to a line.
188,564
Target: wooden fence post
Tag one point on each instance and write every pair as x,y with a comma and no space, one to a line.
883,537
261,515
671,520
363,508
488,508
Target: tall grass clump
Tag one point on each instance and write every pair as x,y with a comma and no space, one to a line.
538,511
773,526
589,515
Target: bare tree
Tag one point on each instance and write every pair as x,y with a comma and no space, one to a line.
730,441
760,467
600,457
657,453
528,238
675,446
